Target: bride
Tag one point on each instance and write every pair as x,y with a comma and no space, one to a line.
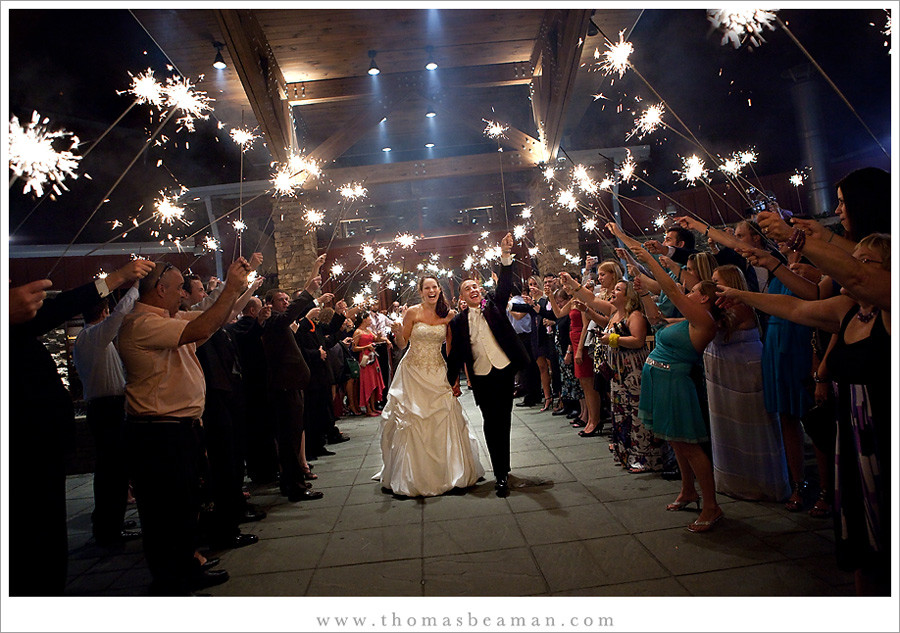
426,446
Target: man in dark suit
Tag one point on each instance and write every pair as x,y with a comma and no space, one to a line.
483,339
287,376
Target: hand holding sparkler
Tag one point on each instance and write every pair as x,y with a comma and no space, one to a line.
237,275
812,228
25,301
256,260
692,224
506,245
326,298
773,226
134,270
653,246
668,263
313,284
758,257
213,283
264,313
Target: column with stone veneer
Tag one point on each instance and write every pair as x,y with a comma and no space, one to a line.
295,244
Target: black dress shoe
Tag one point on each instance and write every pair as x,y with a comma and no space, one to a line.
304,495
209,578
326,452
130,524
118,539
211,562
252,514
338,439
502,486
233,542
526,403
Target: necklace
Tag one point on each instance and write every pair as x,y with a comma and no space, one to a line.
865,318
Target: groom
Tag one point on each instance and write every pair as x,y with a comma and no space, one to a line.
482,338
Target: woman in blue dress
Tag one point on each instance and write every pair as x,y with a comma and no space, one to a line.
669,406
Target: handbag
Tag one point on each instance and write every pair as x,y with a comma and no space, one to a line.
351,365
820,424
365,359
605,370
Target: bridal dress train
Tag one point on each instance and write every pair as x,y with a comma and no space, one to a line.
426,445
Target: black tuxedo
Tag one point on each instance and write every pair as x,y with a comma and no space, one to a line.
493,392
318,420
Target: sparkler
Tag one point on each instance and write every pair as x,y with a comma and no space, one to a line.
519,231
693,169
146,89
495,130
526,213
210,243
747,156
468,262
337,270
798,177
615,58
741,25
548,173
626,169
590,224
567,199
659,221
239,226
243,137
194,104
167,211
32,155
533,251
405,240
314,218
648,122
352,191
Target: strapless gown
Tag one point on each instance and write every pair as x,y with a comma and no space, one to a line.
426,445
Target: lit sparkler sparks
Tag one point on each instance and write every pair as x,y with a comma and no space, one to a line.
693,169
243,137
376,278
589,225
101,275
567,199
731,166
606,184
283,182
526,213
337,270
300,164
252,276
548,173
33,157
193,104
741,25
747,156
314,217
352,191
146,89
368,253
494,130
615,58
468,262
405,240
239,226
167,211
626,169
533,251
659,221
648,122
799,176
519,231
210,243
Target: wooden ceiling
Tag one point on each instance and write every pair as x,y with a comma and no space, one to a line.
300,75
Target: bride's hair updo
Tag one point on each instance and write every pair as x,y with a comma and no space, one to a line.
442,308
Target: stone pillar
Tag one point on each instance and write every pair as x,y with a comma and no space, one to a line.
295,244
554,228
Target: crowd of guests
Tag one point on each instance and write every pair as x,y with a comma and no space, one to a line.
708,364
713,354
189,387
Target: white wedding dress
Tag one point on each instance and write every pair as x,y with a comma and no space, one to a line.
426,445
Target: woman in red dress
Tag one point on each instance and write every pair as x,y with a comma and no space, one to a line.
370,382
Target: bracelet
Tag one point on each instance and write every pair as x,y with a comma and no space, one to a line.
706,234
646,294
580,286
772,272
797,240
613,340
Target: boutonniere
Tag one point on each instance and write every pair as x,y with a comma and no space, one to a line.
483,303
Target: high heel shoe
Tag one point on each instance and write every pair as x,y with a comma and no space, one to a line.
822,507
706,526
548,402
795,505
594,433
681,504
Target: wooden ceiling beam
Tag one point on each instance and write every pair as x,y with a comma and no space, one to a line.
470,165
261,78
347,88
556,59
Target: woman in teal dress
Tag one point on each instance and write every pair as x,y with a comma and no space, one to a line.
669,406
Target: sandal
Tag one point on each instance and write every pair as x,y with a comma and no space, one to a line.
706,526
548,402
795,505
308,474
679,505
821,508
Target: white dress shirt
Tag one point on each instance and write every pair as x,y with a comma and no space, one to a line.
485,349
96,359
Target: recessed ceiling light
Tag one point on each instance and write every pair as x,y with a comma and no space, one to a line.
385,149
429,145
